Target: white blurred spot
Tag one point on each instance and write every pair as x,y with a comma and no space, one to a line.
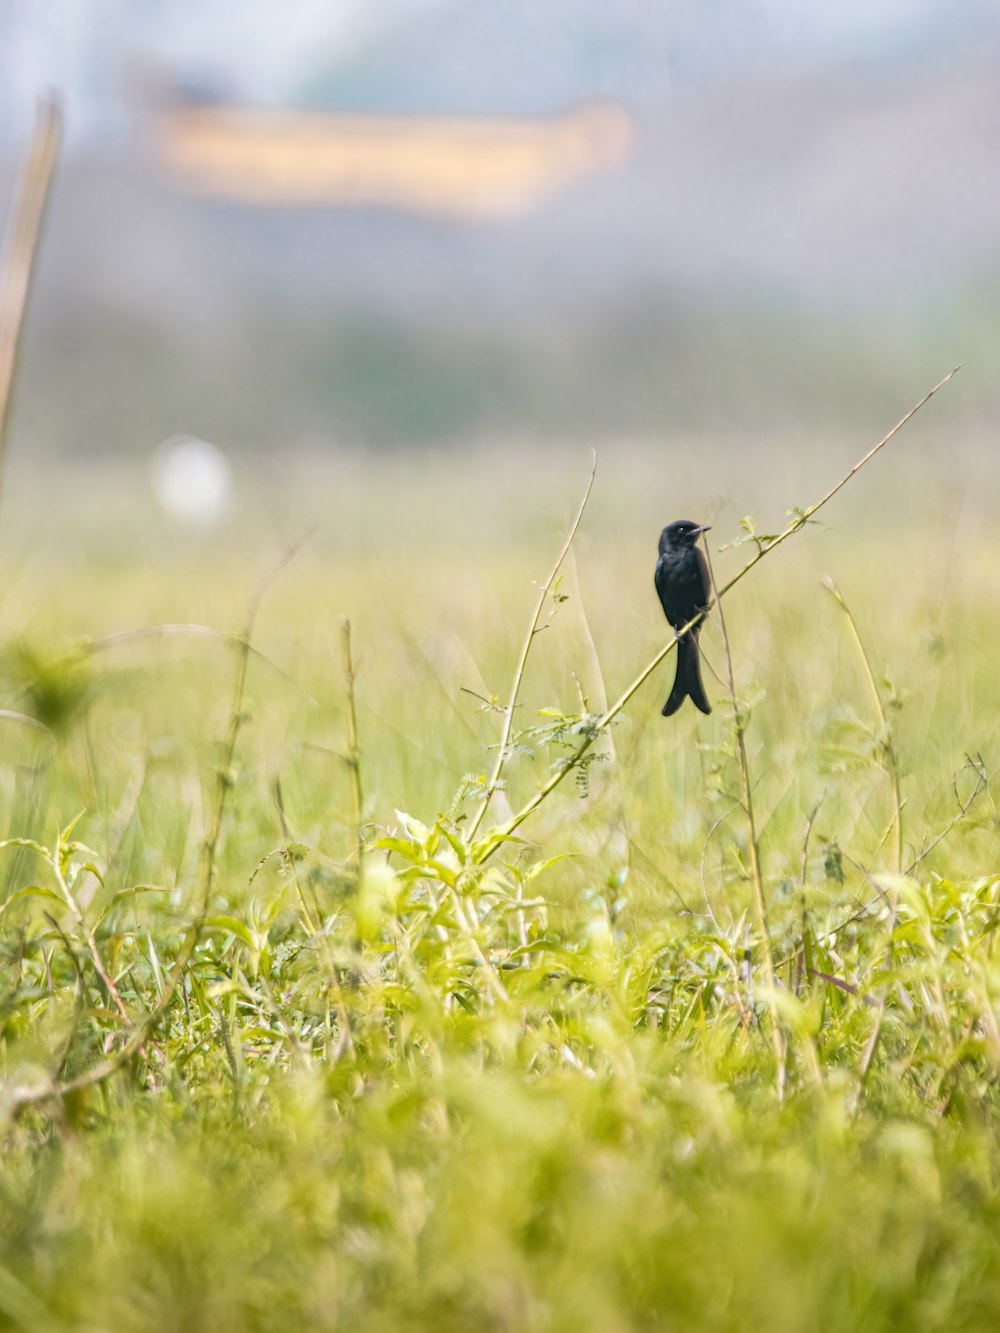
192,481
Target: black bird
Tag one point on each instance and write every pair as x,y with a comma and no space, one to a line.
682,583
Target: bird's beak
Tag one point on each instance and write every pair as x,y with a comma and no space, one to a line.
705,527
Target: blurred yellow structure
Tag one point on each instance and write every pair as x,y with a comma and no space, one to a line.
450,166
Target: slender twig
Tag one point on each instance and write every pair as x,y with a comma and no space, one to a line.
753,844
79,986
871,1045
22,719
596,671
704,855
466,923
522,662
963,809
21,252
727,953
891,767
888,744
804,955
799,519
316,932
805,843
353,745
746,794
171,630
88,935
845,986
310,919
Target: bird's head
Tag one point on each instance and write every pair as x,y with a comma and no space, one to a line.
680,534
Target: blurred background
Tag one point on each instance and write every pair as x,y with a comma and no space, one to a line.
425,224
396,270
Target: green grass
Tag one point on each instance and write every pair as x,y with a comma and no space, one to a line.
529,1084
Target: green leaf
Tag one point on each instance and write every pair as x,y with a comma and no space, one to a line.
32,891
413,828
64,834
30,845
234,927
540,867
408,850
134,889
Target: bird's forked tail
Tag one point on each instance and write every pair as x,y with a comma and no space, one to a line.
687,680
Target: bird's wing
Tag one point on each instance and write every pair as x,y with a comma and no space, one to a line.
660,583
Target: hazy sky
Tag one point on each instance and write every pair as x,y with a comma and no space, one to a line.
83,48
266,52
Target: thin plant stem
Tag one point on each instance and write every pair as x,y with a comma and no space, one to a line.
316,932
508,722
746,793
168,631
979,768
353,756
805,953
753,844
21,252
95,954
891,764
466,924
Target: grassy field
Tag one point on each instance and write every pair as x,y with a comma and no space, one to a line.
289,1041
